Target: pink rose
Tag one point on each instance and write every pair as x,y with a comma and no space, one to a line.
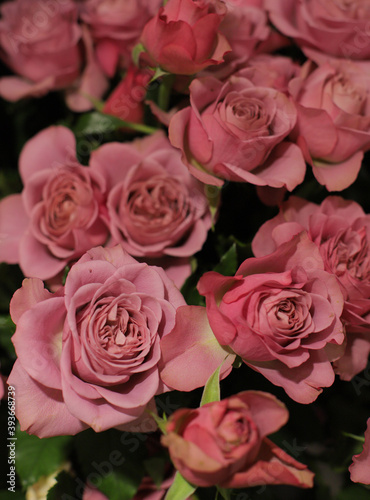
116,27
43,44
244,26
60,212
281,315
88,354
127,99
341,231
157,210
235,131
267,70
360,466
339,28
333,125
184,36
224,443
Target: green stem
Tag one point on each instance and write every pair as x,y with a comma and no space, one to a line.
139,127
361,439
165,91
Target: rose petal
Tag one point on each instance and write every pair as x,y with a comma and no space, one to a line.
192,348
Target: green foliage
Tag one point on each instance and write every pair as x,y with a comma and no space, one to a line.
229,262
111,461
212,388
37,457
180,489
65,488
100,123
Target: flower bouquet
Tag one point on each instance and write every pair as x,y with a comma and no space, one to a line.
185,249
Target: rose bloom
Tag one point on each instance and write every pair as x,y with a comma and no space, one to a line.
60,212
116,26
360,466
43,44
127,99
224,443
336,27
267,70
333,125
88,354
157,210
235,131
184,36
245,25
341,231
281,314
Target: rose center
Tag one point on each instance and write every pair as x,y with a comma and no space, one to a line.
347,96
233,430
157,204
121,331
69,203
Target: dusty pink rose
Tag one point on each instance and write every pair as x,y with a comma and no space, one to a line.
88,354
360,466
266,70
43,44
235,131
337,27
184,36
127,99
116,26
245,25
224,443
157,210
281,315
59,214
333,125
341,230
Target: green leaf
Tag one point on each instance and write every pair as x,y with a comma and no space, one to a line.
9,495
7,329
238,361
180,489
119,486
211,390
161,422
190,292
226,495
136,51
66,488
112,461
101,123
37,457
156,469
228,263
158,73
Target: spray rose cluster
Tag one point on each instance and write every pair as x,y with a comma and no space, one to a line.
193,220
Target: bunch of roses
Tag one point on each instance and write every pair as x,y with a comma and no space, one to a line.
117,331
137,194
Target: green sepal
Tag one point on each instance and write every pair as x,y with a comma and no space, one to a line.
180,489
